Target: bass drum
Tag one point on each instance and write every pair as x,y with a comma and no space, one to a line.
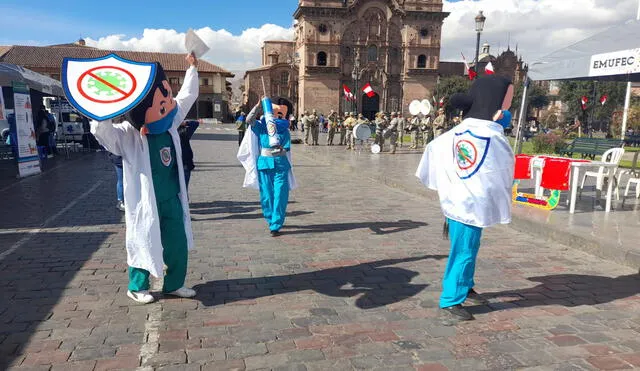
362,132
375,149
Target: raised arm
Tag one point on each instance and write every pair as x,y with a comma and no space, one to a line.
188,92
253,116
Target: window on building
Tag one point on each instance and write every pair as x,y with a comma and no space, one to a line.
322,28
424,32
205,82
372,53
284,78
174,81
422,61
321,59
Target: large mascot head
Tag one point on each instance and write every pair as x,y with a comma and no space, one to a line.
282,108
488,96
155,113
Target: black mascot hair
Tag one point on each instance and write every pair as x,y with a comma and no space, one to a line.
137,114
484,98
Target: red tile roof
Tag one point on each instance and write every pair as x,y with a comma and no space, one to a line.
51,57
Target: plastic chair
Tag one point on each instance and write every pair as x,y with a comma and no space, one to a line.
604,174
626,191
634,171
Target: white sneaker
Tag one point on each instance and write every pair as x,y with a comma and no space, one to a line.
183,292
142,297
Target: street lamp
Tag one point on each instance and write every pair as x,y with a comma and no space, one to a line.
294,61
480,18
355,74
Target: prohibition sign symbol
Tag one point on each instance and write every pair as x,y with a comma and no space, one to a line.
466,154
92,73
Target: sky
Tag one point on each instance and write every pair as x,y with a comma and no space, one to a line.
235,30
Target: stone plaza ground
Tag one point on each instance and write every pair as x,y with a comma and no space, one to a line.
353,282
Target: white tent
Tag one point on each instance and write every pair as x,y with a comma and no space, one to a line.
612,55
35,81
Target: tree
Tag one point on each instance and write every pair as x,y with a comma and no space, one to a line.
572,91
449,86
538,97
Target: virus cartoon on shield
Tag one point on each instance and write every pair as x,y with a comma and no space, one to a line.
111,86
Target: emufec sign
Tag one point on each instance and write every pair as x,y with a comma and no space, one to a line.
615,63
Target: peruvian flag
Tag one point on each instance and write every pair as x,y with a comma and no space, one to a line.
489,69
603,99
441,102
368,90
583,101
348,95
472,74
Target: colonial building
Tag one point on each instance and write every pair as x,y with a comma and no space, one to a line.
215,90
507,64
393,45
278,73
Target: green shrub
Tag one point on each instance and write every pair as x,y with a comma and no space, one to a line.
547,143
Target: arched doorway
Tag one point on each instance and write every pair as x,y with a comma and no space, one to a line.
370,106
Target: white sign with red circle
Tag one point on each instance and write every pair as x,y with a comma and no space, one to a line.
106,87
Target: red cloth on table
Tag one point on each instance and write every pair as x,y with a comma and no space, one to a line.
555,174
523,167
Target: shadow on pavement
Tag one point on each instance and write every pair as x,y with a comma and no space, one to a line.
569,290
37,277
375,227
252,216
378,284
215,137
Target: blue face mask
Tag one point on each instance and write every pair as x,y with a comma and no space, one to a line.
505,121
162,125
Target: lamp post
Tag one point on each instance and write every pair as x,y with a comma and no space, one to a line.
480,18
293,61
355,74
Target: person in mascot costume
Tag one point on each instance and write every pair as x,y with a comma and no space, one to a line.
471,166
265,154
156,204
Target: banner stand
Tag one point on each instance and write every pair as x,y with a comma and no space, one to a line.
28,156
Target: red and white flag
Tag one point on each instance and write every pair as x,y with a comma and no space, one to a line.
583,101
468,70
368,90
603,99
348,95
441,102
489,69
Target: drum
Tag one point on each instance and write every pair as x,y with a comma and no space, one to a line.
375,149
361,132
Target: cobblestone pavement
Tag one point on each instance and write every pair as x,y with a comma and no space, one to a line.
352,284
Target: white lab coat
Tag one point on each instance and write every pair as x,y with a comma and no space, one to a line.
475,192
143,242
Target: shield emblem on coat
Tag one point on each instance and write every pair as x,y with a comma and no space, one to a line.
470,152
106,87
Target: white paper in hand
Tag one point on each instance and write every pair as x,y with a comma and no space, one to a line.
195,45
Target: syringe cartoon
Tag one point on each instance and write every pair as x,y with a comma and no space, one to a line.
267,108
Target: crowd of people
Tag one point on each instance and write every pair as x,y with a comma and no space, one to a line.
389,128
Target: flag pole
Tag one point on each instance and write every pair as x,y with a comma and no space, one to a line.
627,97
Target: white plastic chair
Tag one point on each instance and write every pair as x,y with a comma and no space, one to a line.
604,174
626,191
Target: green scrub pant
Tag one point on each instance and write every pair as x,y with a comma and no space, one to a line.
174,253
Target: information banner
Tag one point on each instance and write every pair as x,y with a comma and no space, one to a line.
28,160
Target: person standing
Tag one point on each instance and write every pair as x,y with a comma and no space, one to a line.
414,129
439,125
315,127
268,168
402,123
117,164
42,129
333,125
381,124
186,130
349,124
241,126
392,132
306,127
158,224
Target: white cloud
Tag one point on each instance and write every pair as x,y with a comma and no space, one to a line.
538,27
235,53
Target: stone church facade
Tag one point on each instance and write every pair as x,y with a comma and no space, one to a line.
394,45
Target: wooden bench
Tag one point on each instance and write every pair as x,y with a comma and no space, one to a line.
632,140
590,147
